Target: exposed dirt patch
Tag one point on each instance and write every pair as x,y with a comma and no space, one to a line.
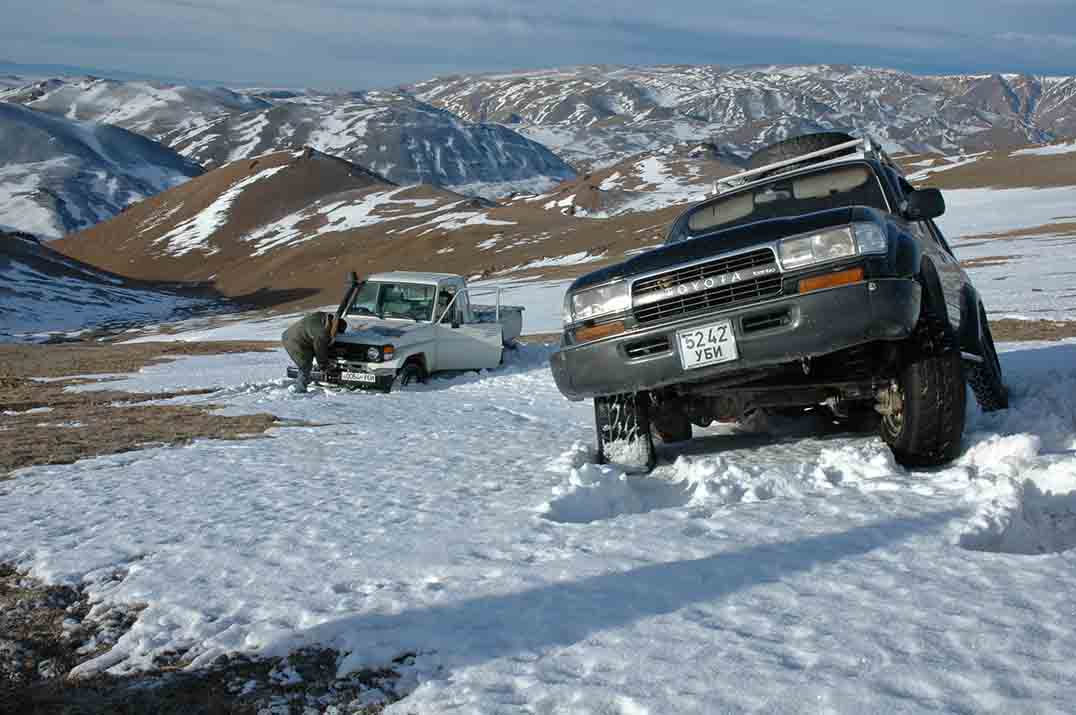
1012,330
1049,230
987,261
1000,169
45,631
40,423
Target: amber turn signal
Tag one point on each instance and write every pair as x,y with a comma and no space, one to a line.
597,332
831,280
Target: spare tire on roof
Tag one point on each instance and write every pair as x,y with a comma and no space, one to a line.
797,146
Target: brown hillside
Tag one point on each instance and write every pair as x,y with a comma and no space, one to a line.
294,223
287,225
999,169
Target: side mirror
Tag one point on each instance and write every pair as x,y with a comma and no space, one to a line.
924,204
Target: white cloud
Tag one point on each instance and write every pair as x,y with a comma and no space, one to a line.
357,44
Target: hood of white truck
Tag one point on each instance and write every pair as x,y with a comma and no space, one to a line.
373,331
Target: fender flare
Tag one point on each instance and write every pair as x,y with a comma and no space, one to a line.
934,296
971,322
419,357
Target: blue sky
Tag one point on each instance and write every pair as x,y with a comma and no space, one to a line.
336,44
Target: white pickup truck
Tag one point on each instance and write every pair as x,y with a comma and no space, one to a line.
404,326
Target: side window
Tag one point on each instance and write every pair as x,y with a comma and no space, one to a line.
444,300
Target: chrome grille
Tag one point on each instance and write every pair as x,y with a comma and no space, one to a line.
654,298
739,262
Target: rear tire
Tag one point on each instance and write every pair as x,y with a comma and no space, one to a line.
926,431
622,425
985,378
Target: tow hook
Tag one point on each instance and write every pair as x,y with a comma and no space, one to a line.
889,400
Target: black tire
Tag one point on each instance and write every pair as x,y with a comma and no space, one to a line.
985,378
926,432
622,426
797,146
410,374
672,426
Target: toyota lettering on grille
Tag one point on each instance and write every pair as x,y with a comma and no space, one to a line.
665,290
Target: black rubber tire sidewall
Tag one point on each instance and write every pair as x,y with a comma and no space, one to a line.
409,374
933,413
985,379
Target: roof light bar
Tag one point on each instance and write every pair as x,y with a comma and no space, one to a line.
866,145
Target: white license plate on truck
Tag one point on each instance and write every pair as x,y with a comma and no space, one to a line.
707,345
358,377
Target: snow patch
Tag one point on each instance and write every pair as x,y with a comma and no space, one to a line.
194,233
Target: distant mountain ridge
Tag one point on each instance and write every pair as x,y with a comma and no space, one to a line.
393,133
59,175
595,116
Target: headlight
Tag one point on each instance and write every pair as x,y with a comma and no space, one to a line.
831,245
595,302
373,354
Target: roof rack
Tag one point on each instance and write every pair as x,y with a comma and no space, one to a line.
866,147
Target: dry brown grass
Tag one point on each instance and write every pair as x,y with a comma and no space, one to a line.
1012,330
86,424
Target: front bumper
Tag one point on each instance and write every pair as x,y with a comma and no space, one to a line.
792,328
382,379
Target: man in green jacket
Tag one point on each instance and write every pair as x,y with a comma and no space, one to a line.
310,338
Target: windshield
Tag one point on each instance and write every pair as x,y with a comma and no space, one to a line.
781,198
413,301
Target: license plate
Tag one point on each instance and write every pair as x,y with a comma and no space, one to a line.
707,345
358,377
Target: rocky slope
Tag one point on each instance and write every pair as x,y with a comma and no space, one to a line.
58,175
594,116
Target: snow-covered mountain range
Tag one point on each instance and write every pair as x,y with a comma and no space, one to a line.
152,109
393,133
58,175
594,116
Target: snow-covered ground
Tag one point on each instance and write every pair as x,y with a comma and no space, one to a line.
464,520
1017,276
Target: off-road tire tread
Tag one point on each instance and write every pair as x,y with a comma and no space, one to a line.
634,421
939,425
986,382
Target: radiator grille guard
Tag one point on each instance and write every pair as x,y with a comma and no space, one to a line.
743,278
